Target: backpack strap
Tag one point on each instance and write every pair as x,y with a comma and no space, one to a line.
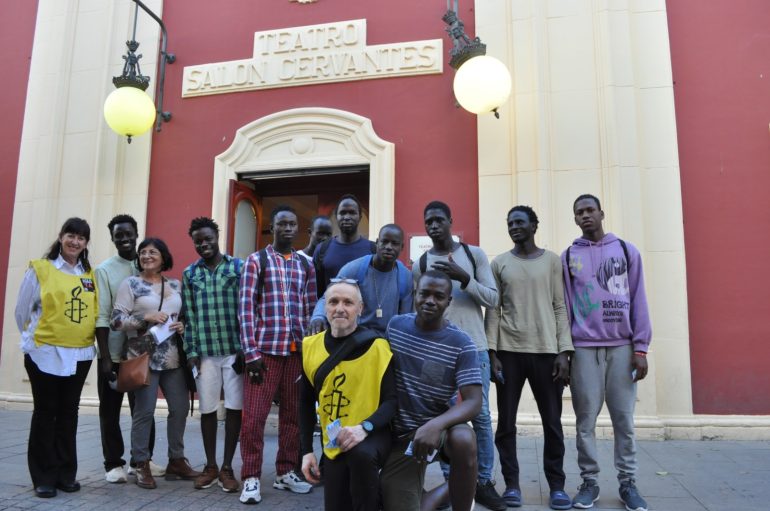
622,245
403,280
359,338
466,248
318,262
261,274
263,264
361,274
403,276
470,257
305,267
625,252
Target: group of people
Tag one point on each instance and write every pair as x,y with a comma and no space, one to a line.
392,363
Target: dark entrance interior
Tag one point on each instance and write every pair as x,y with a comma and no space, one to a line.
310,192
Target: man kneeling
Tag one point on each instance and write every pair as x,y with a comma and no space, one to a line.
347,369
432,360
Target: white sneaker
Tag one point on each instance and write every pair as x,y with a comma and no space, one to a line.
156,470
250,493
116,475
290,481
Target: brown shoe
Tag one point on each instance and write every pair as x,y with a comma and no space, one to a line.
207,478
144,477
227,480
179,468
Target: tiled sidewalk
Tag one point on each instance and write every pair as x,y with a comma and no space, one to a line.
673,475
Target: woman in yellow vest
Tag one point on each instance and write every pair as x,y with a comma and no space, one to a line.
56,315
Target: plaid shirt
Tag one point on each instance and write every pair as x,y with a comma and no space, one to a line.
211,305
271,322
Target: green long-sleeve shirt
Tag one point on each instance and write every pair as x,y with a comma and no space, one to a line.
531,316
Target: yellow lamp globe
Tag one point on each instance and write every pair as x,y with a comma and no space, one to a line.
482,84
129,111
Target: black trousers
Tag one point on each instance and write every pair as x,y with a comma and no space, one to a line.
352,479
537,368
52,448
110,403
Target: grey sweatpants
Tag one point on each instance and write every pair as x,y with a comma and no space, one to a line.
602,375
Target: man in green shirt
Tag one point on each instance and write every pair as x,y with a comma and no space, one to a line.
529,339
210,288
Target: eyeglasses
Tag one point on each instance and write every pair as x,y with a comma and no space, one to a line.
336,280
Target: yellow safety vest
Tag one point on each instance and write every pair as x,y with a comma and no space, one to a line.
351,391
69,306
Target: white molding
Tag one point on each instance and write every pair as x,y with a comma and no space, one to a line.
690,427
309,138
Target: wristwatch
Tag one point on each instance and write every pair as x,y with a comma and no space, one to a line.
368,426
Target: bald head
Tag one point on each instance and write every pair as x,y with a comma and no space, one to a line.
343,307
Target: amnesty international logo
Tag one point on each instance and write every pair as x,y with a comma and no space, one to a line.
77,308
336,400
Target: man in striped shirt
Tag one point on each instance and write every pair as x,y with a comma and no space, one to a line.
210,290
277,296
433,359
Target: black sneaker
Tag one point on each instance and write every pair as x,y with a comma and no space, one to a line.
631,498
587,494
487,496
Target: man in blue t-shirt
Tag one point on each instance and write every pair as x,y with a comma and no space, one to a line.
333,254
433,360
385,284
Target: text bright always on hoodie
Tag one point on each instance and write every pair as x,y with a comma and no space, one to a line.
605,294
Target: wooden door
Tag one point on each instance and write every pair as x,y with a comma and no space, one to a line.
244,219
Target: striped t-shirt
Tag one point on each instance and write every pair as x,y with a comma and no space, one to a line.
429,366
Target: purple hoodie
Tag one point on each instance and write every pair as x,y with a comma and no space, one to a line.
605,294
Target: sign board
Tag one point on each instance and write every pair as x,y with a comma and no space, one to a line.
331,52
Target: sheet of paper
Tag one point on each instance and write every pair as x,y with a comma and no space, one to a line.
430,457
332,430
162,332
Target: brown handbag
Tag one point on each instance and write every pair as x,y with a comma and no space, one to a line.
134,372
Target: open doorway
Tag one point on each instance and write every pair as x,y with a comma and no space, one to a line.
310,192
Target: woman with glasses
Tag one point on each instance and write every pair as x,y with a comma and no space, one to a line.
56,315
144,301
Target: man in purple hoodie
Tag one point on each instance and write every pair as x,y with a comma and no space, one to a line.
611,333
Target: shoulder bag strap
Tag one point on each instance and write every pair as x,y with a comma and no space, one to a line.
470,256
359,338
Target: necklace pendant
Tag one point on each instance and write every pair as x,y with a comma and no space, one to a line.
378,313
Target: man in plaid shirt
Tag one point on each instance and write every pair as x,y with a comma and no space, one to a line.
276,302
212,343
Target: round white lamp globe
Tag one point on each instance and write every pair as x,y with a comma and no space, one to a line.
482,84
129,111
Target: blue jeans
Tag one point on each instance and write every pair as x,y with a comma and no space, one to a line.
482,426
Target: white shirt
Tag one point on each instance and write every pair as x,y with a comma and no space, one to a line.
55,360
